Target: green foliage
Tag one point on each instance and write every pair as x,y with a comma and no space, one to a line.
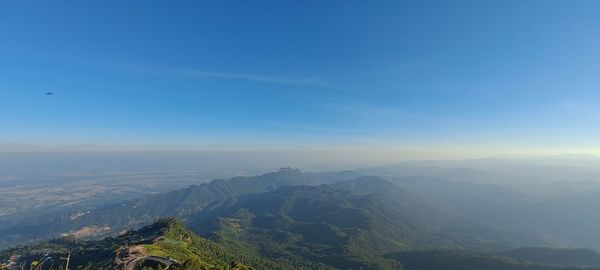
320,226
166,238
194,264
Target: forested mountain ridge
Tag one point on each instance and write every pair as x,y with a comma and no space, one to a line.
180,203
320,222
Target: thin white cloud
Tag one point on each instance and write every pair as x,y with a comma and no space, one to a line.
370,113
200,73
260,78
315,128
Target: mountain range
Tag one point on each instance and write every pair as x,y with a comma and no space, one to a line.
294,220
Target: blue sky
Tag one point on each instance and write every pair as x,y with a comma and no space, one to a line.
152,74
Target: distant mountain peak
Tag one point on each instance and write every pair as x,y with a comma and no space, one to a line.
287,169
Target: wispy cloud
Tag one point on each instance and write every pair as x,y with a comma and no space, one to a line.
201,73
261,78
369,112
316,128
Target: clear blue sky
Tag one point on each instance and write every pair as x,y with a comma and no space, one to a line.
436,73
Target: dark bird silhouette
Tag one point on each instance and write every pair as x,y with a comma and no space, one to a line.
49,93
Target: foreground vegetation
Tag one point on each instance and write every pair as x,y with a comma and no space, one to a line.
165,240
167,244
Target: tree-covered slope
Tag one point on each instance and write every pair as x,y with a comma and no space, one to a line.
165,242
345,225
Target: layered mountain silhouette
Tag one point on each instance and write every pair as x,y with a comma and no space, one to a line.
294,220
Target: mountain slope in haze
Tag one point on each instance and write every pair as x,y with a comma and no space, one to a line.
482,206
549,201
515,172
554,256
519,218
461,260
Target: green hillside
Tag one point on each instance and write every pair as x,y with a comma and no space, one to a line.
167,244
165,240
319,223
347,225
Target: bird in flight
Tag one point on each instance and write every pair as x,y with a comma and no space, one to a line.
49,93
